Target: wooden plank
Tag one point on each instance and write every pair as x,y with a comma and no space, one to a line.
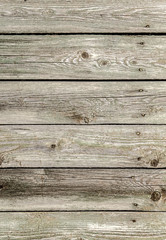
82,102
82,146
82,57
91,225
82,189
82,16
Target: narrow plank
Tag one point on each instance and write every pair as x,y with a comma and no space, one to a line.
91,225
82,146
82,57
82,189
82,16
82,102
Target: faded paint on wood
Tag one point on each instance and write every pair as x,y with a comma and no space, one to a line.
82,16
94,226
82,57
82,146
82,189
82,102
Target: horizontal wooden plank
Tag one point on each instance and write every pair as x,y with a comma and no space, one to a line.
91,225
82,57
82,16
82,102
82,189
82,146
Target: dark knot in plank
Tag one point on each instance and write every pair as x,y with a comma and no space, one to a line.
53,146
85,55
154,163
156,195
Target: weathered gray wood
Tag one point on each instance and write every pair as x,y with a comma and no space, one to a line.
82,16
83,146
82,189
82,102
82,57
93,226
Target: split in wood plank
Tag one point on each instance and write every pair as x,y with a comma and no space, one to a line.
59,16
82,146
82,57
82,102
82,189
83,225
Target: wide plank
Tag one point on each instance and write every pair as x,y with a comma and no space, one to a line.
83,225
83,146
102,57
82,189
82,102
60,16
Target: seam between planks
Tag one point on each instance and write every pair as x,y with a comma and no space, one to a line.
97,124
86,33
81,80
80,211
83,168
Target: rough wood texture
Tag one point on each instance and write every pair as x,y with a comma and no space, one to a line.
82,189
93,226
82,146
82,57
82,102
82,16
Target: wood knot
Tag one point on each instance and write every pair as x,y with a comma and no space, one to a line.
140,90
143,114
135,204
104,62
1,187
139,158
138,133
142,43
85,55
140,70
155,196
154,163
53,146
86,120
133,220
147,26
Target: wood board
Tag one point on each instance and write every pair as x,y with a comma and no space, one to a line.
108,146
82,225
82,189
82,16
85,102
94,57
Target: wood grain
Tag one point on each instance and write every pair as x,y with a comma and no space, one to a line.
102,57
82,16
82,102
83,146
82,189
94,226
